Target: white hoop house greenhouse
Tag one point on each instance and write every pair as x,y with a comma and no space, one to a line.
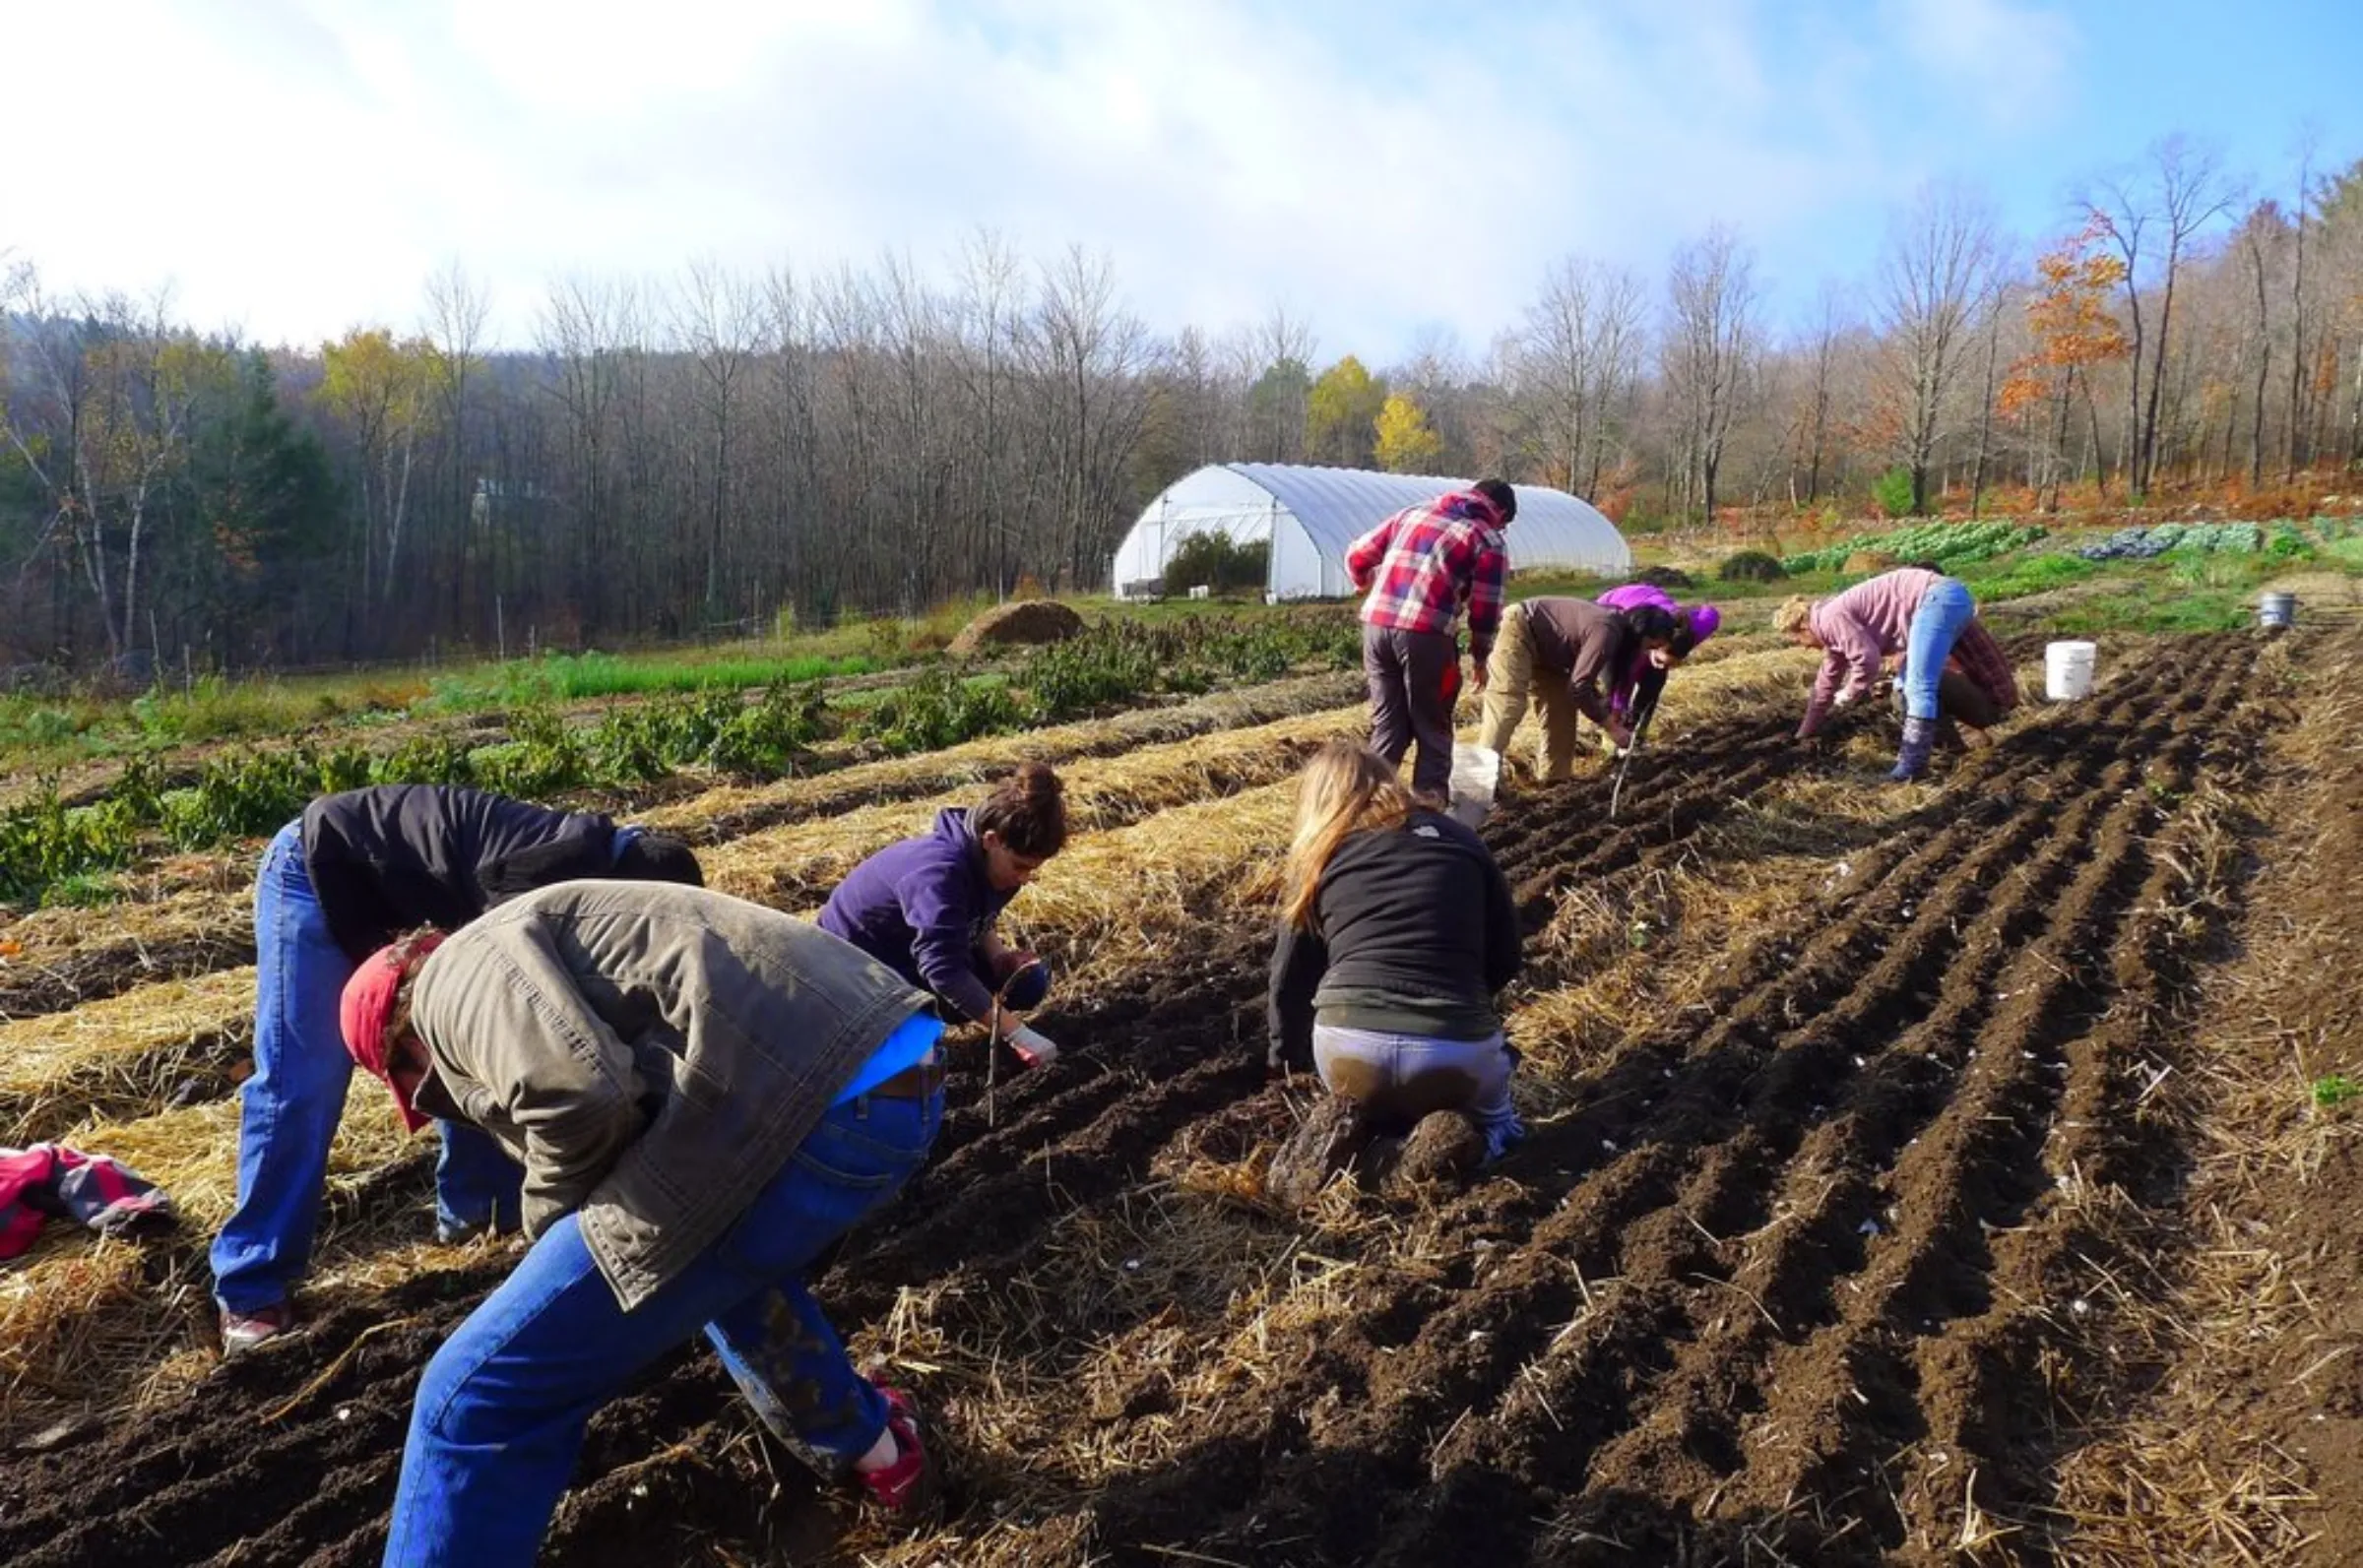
1312,515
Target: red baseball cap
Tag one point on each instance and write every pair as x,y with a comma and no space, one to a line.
367,1007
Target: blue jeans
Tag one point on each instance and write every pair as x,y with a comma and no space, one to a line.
289,1108
1412,1075
498,1422
1945,611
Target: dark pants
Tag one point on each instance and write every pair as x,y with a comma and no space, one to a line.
1408,673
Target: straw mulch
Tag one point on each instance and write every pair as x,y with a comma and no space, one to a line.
971,763
1100,793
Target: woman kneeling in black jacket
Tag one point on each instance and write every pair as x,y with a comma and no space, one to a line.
1396,930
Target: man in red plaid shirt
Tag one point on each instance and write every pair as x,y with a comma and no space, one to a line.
1417,568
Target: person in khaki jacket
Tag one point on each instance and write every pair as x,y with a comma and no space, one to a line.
1566,653
705,1095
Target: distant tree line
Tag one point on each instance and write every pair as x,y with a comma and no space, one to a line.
696,455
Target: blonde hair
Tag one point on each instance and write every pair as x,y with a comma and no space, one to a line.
1793,612
1346,789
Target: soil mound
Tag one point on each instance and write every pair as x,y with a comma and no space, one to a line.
1033,620
1446,1147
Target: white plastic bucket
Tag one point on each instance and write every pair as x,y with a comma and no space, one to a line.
2067,671
1476,774
2278,611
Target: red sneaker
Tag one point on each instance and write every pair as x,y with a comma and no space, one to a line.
908,1485
243,1331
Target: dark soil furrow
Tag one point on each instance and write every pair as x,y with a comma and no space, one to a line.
1817,1207
1787,1269
1650,1217
1963,1189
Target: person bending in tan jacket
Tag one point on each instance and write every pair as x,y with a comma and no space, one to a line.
1564,653
705,1095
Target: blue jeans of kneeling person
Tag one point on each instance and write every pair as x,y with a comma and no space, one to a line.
502,1409
288,1110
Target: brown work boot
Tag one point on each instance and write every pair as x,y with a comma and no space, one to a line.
1323,1143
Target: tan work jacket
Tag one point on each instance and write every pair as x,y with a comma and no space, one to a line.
652,1054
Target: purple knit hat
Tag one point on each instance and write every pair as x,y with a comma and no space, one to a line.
1704,618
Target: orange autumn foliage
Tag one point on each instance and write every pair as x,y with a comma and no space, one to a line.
2073,325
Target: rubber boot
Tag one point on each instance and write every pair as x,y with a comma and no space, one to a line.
1919,739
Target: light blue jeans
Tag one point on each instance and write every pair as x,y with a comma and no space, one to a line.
1411,1075
1945,611
289,1108
499,1418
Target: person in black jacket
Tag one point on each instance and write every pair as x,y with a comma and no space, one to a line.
354,872
1396,930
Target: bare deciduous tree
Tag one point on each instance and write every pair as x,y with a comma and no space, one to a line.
1938,272
1712,340
1576,355
2183,192
719,318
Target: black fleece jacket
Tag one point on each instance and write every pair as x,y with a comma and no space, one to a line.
1414,931
387,859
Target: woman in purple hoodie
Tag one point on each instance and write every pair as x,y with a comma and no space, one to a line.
925,907
1635,689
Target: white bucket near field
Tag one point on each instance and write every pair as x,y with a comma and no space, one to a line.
2067,671
1476,775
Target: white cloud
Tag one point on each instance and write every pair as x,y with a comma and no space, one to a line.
302,166
2002,60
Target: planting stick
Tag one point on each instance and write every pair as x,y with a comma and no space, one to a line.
1616,791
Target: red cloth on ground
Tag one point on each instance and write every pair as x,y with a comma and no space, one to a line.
51,1181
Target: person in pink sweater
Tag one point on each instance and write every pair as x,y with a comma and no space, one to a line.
1924,615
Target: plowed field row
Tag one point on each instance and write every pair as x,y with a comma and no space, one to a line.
1784,1274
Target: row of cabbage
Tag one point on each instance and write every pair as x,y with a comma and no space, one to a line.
2205,539
1947,544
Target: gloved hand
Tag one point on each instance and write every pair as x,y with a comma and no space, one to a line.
1845,696
1619,736
1032,1048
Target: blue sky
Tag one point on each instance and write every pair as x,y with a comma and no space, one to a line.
291,168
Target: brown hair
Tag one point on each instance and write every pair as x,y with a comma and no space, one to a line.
1346,789
411,951
1793,612
1028,809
